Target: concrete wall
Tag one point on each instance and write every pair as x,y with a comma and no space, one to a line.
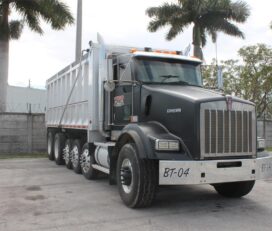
264,130
22,133
26,133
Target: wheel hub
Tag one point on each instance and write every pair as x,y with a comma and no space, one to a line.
85,161
66,154
126,176
75,156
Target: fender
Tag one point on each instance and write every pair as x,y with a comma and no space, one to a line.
144,136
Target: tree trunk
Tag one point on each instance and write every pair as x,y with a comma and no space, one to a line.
4,65
198,52
197,42
4,54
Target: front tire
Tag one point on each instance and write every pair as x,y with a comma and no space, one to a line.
136,178
234,189
75,156
87,160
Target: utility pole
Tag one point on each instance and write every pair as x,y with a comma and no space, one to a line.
79,30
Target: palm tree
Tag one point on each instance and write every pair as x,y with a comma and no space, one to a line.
207,16
53,12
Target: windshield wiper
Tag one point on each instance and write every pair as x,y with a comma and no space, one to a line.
178,82
169,77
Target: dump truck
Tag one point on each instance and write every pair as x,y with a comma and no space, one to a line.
143,117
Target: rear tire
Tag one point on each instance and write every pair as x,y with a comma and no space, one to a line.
67,153
50,145
75,156
87,160
58,148
136,178
234,189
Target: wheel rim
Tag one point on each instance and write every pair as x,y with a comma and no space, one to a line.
66,154
126,175
56,149
85,161
75,156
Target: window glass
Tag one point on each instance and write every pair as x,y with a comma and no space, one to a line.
167,71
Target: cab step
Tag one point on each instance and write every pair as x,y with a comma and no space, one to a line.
101,168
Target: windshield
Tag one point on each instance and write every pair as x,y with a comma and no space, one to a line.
167,71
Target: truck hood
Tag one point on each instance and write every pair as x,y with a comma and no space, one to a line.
178,109
190,93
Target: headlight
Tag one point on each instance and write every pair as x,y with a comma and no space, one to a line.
167,145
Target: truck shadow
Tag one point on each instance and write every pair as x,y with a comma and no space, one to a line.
203,199
199,199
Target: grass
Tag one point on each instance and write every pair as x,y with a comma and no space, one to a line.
22,155
269,149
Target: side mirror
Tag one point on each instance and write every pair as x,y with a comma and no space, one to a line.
109,86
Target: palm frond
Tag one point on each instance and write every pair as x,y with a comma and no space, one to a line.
15,29
173,32
169,14
221,24
154,25
56,13
152,11
166,10
235,11
53,12
213,34
33,21
178,24
162,15
239,11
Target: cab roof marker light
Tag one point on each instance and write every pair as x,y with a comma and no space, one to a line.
133,50
148,49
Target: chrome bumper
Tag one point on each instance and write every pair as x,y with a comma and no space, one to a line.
214,171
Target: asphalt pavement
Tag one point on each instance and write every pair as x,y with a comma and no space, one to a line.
36,194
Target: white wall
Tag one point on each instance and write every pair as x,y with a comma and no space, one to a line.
25,100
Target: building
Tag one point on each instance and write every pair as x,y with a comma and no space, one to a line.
25,100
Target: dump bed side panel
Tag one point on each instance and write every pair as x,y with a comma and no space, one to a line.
85,106
60,87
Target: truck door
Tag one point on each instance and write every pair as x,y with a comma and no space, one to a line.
125,97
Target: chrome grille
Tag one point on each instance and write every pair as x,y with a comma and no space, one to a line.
227,133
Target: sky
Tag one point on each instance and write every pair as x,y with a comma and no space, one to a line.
36,58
